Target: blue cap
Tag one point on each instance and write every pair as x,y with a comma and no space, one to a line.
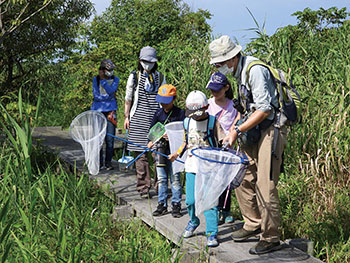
166,94
217,81
165,100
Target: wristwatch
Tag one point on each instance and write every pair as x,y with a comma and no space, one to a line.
239,133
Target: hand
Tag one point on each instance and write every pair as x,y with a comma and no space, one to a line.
173,156
230,138
126,124
165,136
150,145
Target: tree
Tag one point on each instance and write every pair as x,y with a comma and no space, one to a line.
128,25
317,20
119,34
33,31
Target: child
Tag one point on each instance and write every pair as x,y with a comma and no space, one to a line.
201,131
168,113
221,106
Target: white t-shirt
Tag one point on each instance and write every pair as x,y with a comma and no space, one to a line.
197,131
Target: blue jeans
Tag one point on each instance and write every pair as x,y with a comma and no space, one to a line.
163,173
211,215
109,144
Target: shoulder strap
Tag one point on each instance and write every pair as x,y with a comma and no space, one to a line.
161,78
274,72
186,125
210,130
135,78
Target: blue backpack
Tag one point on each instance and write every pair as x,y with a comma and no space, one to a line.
210,130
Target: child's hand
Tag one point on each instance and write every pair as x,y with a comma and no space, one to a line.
173,156
150,145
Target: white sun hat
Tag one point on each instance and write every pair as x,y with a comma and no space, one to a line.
222,49
196,103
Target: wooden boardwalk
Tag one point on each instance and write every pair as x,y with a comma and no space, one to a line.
122,185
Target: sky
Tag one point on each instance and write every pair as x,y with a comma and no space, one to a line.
231,17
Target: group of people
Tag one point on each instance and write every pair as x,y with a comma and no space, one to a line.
207,123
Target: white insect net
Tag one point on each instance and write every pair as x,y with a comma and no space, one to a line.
217,170
89,129
175,132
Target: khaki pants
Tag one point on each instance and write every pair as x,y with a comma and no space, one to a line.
142,173
257,196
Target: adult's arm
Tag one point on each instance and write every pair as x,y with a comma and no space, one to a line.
96,91
110,89
262,90
129,89
254,119
128,100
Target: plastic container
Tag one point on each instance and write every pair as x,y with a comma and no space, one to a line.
124,162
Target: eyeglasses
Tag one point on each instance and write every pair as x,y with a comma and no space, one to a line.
220,64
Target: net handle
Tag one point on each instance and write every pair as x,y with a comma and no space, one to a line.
244,159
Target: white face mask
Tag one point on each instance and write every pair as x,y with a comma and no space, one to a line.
109,73
225,69
147,65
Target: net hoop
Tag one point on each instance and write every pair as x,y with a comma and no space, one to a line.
90,113
243,158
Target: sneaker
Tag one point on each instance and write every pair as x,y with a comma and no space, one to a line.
212,240
109,166
176,211
161,210
263,247
225,217
242,234
189,230
228,217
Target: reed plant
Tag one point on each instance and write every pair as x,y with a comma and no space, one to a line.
314,190
50,215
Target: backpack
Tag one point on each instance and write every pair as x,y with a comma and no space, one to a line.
288,97
210,130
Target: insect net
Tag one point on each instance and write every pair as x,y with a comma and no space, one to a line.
218,169
89,129
175,132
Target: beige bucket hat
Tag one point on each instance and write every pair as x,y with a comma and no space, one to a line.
222,49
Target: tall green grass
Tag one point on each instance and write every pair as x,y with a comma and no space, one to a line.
314,190
49,215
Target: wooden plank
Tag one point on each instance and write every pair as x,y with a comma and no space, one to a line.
122,186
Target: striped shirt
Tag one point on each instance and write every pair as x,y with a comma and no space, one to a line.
141,120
